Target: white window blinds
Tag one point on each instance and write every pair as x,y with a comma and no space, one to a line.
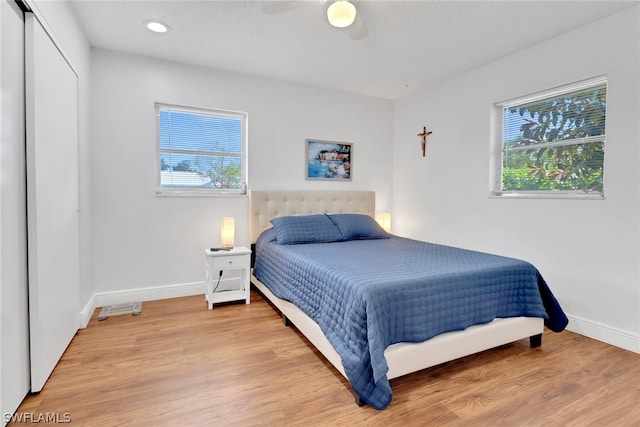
200,151
552,143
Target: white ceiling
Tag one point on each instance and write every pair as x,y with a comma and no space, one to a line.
411,44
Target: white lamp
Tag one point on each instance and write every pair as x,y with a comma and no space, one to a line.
341,13
384,219
227,230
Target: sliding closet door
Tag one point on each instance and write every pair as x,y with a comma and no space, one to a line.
52,200
14,323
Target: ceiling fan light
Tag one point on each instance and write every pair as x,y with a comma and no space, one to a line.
341,13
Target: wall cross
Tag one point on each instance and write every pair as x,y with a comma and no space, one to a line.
423,143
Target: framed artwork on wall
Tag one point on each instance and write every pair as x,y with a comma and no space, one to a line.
328,160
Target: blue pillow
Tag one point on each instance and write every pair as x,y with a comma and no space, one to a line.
358,226
305,229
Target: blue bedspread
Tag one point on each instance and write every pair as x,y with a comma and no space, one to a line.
368,294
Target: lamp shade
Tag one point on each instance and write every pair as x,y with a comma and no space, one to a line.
341,13
384,219
227,232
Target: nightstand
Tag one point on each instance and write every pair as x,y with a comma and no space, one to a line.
238,258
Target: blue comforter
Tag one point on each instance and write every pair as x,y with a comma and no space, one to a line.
368,294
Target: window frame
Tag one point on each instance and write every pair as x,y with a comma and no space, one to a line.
199,191
499,150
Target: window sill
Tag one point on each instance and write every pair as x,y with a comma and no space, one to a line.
547,195
191,193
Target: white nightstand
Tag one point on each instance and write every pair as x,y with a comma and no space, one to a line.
235,259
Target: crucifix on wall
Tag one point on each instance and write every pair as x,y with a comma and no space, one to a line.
423,143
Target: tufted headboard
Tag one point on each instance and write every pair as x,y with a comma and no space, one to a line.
267,204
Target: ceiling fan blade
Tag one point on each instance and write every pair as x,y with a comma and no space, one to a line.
276,7
357,30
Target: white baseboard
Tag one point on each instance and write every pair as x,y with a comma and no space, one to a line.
605,333
619,338
149,294
85,315
101,299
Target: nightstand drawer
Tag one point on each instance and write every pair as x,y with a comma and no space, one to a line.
230,262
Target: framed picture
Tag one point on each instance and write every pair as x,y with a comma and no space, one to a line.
329,160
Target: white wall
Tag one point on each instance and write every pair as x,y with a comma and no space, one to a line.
143,242
587,250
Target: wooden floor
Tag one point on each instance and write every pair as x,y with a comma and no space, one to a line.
179,364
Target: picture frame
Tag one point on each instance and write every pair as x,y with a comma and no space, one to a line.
328,160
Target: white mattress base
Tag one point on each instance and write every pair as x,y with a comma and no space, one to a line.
404,358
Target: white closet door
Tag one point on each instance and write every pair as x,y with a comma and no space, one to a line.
14,319
52,200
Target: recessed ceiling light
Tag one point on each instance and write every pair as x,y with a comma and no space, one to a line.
156,27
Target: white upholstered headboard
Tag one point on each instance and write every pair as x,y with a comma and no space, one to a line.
265,205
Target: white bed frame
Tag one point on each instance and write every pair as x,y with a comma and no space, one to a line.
402,358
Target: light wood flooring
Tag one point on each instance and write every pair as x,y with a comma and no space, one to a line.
179,364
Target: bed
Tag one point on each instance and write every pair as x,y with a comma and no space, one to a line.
361,297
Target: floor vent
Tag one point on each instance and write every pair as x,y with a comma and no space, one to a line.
133,308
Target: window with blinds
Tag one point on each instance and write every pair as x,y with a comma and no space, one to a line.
552,144
200,151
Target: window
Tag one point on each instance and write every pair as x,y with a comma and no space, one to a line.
552,143
200,151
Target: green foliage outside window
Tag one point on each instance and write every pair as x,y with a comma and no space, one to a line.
555,143
223,172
